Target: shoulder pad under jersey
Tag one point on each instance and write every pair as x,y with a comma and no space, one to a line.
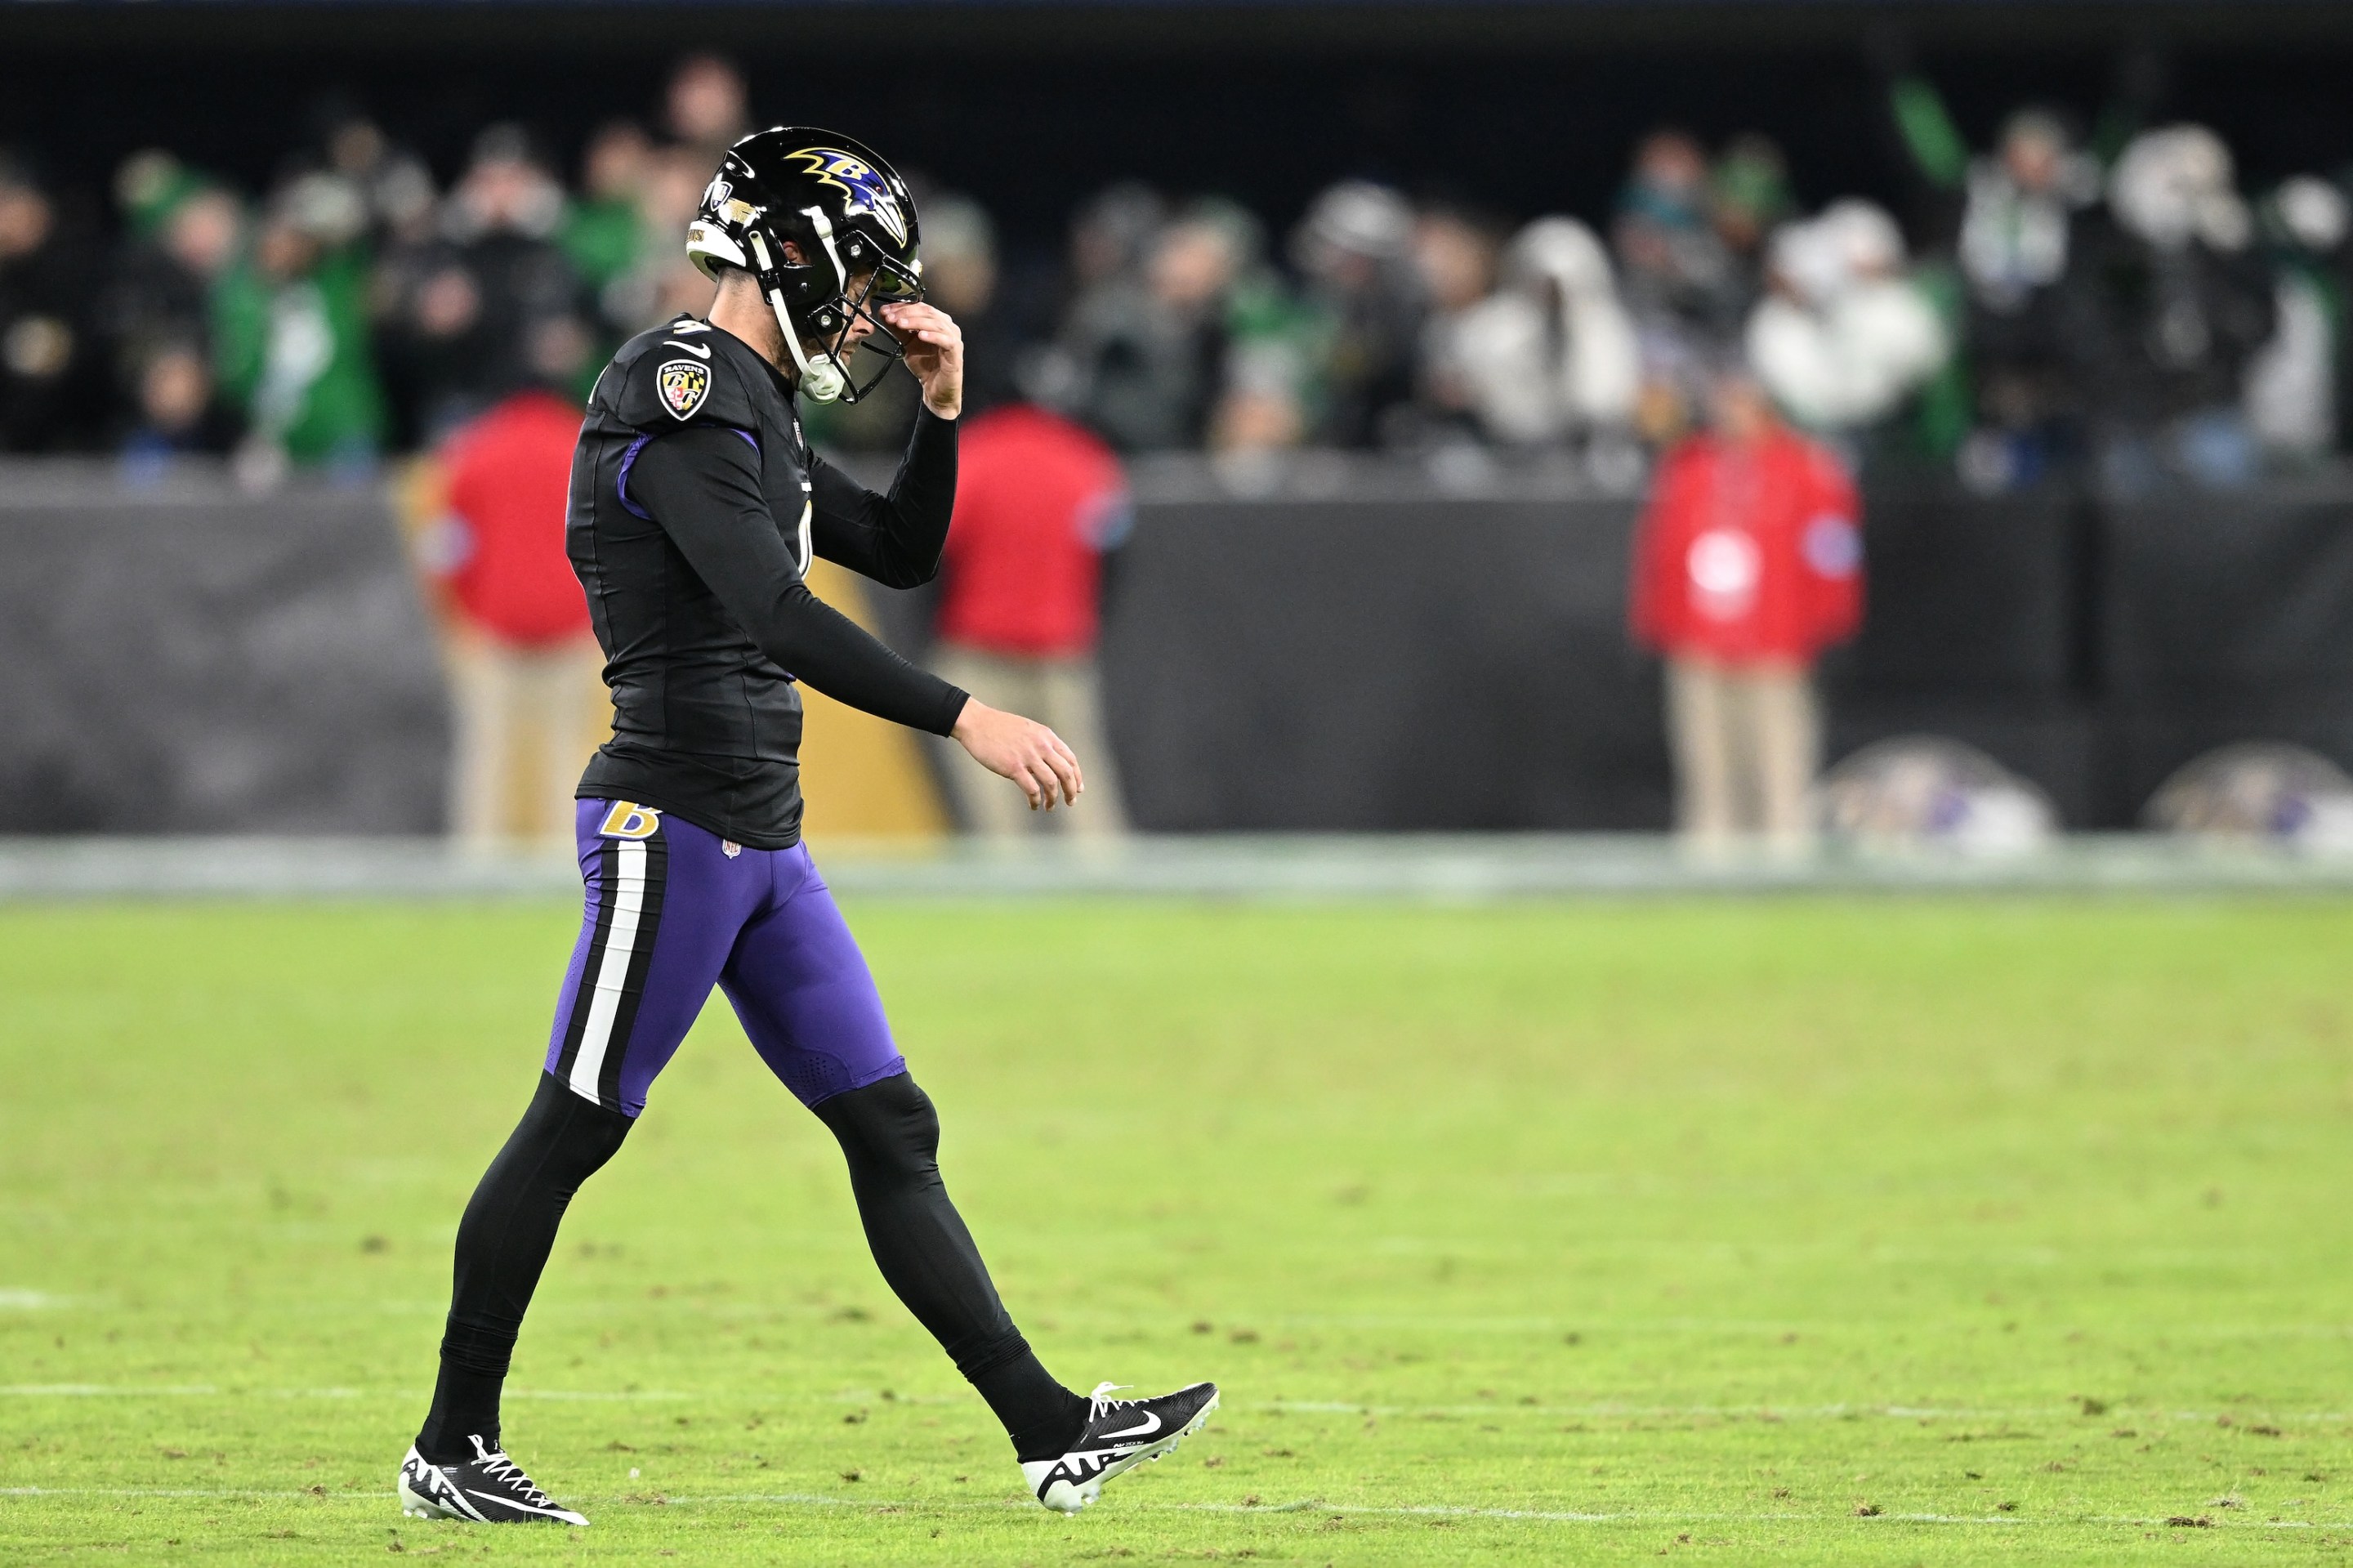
678,375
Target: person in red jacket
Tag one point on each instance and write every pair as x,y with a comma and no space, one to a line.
522,664
1039,499
1748,564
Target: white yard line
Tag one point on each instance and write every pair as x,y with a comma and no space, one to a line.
1303,1505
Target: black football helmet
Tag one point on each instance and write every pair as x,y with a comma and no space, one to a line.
848,216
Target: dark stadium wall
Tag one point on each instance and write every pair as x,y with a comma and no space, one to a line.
1382,661
190,658
1378,656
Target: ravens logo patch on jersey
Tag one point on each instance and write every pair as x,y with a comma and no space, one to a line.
684,384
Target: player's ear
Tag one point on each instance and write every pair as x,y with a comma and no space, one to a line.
793,257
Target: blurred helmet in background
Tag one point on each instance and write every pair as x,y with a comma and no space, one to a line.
2258,790
1928,792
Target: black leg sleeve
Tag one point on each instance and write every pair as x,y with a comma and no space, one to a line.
502,1245
891,1136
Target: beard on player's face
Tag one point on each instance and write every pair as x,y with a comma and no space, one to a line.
860,324
856,290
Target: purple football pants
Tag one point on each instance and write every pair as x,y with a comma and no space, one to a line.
673,909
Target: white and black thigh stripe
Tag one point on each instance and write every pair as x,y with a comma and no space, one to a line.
631,874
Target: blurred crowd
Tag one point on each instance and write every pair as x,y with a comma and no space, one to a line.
2062,301
358,309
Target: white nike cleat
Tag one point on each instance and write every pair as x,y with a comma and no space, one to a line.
1120,1434
488,1488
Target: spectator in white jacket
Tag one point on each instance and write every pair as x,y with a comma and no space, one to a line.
1550,357
1844,337
2294,389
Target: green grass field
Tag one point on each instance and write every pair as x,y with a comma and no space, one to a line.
1807,1231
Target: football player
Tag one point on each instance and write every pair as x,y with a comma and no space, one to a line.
696,510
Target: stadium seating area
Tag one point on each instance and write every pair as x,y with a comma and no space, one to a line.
2064,300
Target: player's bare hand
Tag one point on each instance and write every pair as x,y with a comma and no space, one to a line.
933,346
1022,750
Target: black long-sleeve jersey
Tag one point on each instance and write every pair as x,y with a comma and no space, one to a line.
696,508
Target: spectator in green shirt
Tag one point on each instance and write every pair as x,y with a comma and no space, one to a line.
292,327
604,234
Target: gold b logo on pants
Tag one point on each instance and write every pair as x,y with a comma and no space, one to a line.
627,819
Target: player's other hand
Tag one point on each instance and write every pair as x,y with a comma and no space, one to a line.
1022,750
933,346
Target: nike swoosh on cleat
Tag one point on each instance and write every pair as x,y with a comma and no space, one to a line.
1151,1425
690,348
507,1502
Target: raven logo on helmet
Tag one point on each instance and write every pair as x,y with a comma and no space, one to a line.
857,179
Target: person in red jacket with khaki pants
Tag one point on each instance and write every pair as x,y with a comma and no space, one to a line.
1039,499
1748,564
522,664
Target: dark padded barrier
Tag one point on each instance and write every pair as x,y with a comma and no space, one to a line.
1968,596
2223,618
2220,598
1269,666
1361,651
187,658
1974,631
1374,663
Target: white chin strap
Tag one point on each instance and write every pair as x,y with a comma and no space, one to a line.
819,381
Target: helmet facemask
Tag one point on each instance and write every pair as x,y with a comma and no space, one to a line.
826,376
